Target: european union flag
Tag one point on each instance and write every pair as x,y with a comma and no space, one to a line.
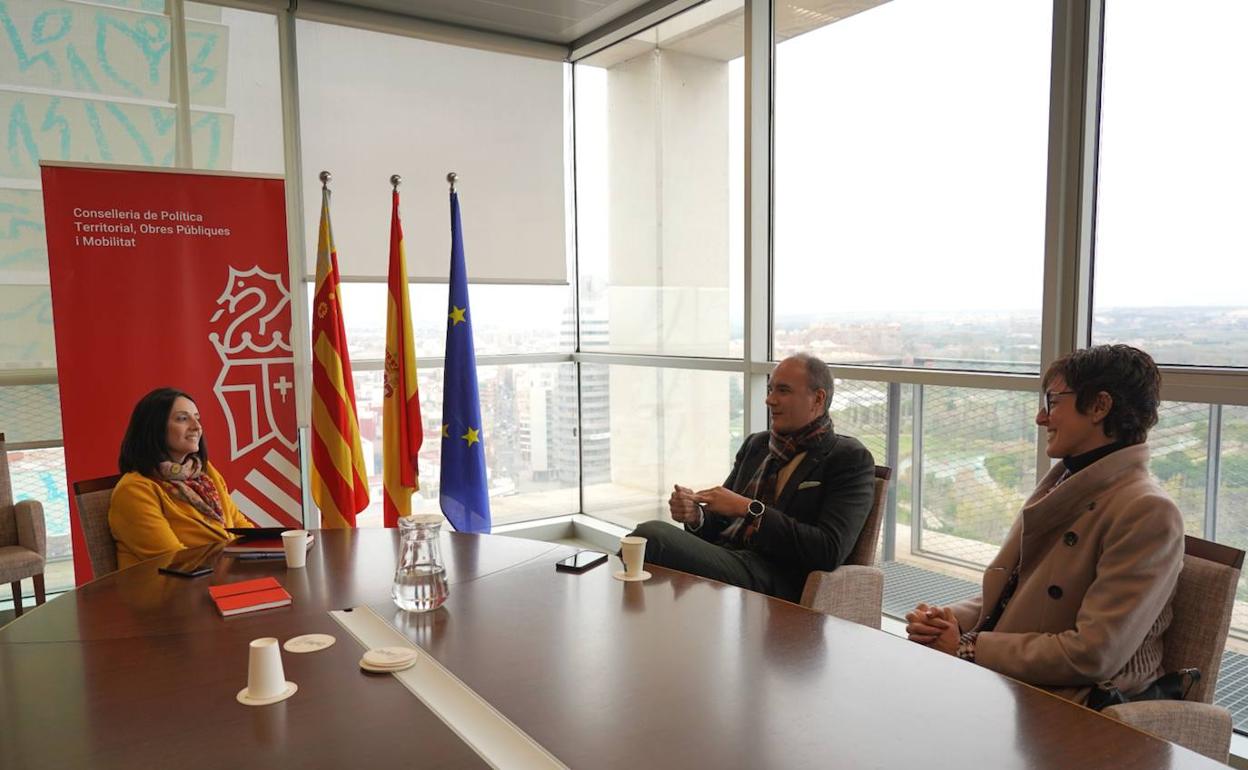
465,498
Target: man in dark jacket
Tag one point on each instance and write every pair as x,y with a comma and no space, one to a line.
794,502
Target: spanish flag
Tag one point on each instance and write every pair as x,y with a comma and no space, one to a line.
339,480
402,433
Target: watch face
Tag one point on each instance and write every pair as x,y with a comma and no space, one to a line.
756,508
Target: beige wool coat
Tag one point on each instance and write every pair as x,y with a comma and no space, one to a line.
1099,557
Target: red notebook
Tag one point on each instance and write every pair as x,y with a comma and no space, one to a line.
265,545
249,596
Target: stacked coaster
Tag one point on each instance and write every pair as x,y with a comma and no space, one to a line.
388,660
308,643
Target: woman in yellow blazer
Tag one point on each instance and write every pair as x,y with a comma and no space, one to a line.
1080,593
170,498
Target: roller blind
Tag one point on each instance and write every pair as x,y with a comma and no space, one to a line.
374,104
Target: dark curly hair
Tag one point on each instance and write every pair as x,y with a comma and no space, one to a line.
143,448
1127,374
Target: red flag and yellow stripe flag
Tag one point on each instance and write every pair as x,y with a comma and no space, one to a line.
339,478
402,433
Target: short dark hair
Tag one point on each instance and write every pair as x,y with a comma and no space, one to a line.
818,375
1127,374
143,448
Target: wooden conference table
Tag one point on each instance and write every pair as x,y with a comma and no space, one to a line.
138,670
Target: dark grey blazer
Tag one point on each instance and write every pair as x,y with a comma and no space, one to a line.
816,518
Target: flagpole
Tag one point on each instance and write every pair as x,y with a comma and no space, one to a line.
451,177
395,181
326,177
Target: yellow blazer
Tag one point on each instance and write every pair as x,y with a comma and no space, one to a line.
146,520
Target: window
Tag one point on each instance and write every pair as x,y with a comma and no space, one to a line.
647,429
235,82
507,320
910,162
1179,453
1170,240
529,432
978,462
660,166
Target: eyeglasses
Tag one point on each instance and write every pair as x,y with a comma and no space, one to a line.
1050,396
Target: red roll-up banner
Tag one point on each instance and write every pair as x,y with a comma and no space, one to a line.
163,278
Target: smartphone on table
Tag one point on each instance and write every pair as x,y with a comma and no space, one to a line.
581,561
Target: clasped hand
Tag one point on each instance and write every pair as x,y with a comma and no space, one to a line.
936,627
684,503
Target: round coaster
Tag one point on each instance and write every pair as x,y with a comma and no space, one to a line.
622,575
308,643
247,700
389,657
387,669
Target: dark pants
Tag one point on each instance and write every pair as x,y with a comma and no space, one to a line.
667,546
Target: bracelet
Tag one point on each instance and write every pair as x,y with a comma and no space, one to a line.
966,645
701,521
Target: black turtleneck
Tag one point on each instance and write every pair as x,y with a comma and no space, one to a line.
1077,463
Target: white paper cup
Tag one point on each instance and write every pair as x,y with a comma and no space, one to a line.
265,678
295,541
633,552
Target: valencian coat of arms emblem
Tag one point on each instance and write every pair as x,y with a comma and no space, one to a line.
257,361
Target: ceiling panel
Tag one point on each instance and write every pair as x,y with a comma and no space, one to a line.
551,21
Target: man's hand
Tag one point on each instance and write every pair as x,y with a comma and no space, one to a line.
723,501
681,504
936,627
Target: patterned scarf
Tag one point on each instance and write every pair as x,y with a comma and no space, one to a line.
188,482
781,449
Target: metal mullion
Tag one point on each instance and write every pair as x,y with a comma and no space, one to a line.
960,378
916,472
904,376
28,377
1070,195
1213,465
1071,186
504,359
580,440
179,85
662,362
943,377
296,249
1206,385
892,450
576,303
13,446
757,188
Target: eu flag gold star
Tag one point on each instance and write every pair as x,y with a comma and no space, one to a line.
446,430
457,315
472,436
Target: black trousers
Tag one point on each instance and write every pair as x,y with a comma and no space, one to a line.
668,546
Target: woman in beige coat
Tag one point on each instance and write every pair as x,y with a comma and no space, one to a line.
1079,594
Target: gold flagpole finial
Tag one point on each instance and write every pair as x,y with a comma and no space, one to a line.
325,178
395,181
452,178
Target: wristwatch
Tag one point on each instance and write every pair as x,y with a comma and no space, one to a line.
756,508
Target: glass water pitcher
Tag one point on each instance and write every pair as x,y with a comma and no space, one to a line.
420,579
